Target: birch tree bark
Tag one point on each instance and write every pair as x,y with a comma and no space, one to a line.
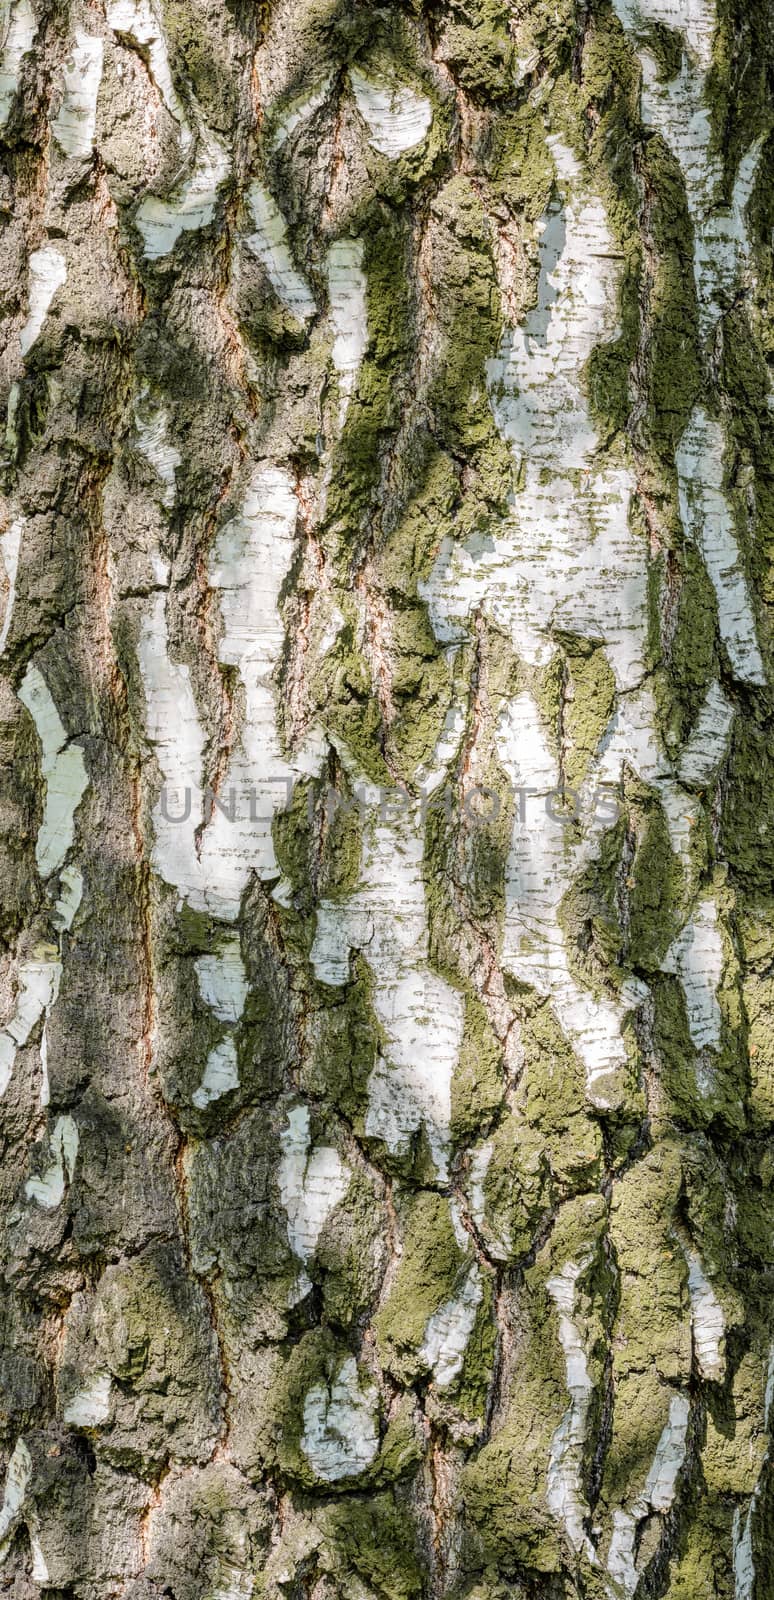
387,980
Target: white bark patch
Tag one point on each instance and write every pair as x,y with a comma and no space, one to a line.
10,546
39,981
542,864
69,898
449,1328
239,1586
16,1480
221,1074
153,444
632,741
299,111
621,1564
708,743
744,1563
565,556
657,1496
312,1183
340,1437
696,19
565,1492
64,773
707,1322
172,728
669,1459
270,244
696,956
397,117
708,520
223,980
48,1191
722,249
40,1572
138,20
45,1086
191,207
421,1016
48,271
91,1405
679,111
74,125
251,558
348,314
17,42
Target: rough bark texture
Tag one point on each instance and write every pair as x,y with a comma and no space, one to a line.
387,1193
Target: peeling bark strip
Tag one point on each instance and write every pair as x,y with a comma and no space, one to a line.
387,1194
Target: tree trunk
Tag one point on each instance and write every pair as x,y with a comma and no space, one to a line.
387,1065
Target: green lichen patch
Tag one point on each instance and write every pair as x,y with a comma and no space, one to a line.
675,1054
555,1100
654,882
314,1361
443,875
431,1267
412,530
588,704
341,844
708,1184
757,943
350,1254
374,411
672,365
590,918
504,1487
683,615
750,426
702,1561
344,1040
737,89
476,46
153,1335
484,842
317,840
747,826
653,1328
378,1540
343,691
521,168
394,177
466,303
667,45
548,687
735,1442
477,1085
607,372
518,1189
420,688
468,833
755,1213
